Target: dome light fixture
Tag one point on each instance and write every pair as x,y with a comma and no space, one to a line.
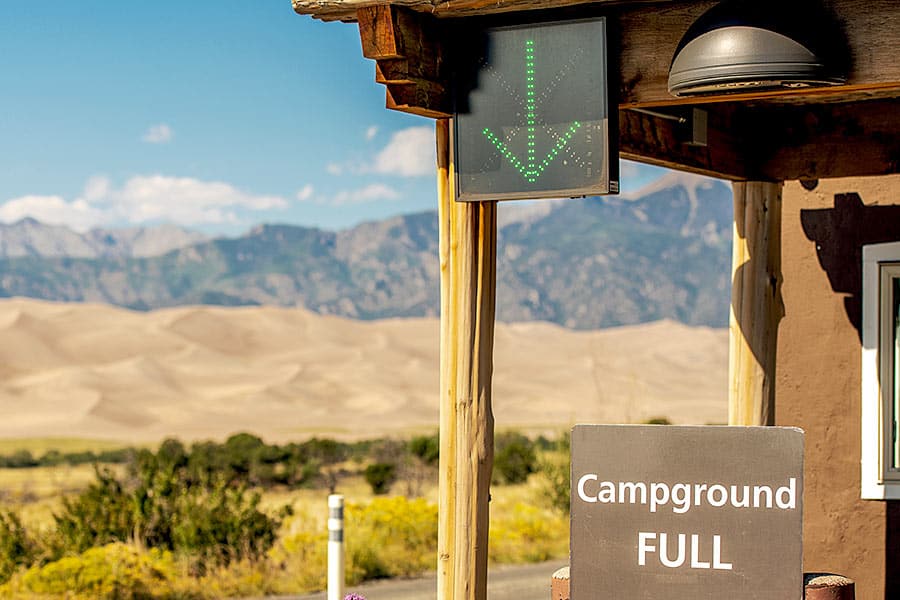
742,45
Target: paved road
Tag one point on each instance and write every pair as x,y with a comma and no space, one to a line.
515,582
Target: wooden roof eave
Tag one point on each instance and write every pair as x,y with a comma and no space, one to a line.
766,135
346,10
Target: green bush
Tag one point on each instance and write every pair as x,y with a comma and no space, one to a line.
514,458
426,448
554,467
657,421
101,514
17,548
161,506
380,476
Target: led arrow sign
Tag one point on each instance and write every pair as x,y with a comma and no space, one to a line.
532,118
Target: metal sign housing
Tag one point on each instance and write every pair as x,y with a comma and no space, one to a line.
532,113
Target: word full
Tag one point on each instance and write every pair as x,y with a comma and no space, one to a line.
645,547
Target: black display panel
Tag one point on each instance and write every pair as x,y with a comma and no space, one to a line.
531,114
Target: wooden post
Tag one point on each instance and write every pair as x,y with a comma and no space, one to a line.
468,248
447,435
756,304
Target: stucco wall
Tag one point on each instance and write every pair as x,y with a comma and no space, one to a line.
818,373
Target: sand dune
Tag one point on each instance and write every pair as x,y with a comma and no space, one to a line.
196,372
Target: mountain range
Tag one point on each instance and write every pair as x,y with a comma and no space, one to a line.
662,253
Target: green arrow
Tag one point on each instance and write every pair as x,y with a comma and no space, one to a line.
531,168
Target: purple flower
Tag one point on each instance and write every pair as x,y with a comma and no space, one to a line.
354,597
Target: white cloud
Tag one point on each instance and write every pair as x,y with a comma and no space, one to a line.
410,153
142,199
158,134
185,200
371,132
628,169
52,210
96,188
370,193
305,193
334,169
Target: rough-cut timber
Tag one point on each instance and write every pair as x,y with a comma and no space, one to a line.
650,32
827,141
473,259
407,49
664,142
468,258
447,431
756,304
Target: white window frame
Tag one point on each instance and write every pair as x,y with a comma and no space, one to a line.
881,263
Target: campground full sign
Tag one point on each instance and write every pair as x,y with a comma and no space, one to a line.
686,512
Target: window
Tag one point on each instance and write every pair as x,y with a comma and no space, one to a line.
881,372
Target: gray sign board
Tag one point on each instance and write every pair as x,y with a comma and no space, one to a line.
686,512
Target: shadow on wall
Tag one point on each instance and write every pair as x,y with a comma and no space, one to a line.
839,234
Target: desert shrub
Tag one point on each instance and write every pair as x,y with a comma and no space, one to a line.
526,533
426,448
302,552
17,547
390,537
160,506
514,458
115,572
101,514
657,421
221,525
380,476
20,459
554,469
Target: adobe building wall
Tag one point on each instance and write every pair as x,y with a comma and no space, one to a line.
818,383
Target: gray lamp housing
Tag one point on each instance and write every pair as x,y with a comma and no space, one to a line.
757,45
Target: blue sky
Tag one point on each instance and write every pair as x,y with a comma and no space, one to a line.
214,115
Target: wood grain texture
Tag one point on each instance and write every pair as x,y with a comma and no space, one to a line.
468,256
447,435
827,141
649,33
407,50
756,304
473,283
662,142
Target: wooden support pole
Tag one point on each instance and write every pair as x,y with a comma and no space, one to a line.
447,462
756,304
468,248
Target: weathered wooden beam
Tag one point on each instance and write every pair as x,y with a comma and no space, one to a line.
756,304
649,33
345,10
649,36
666,142
407,49
421,97
830,140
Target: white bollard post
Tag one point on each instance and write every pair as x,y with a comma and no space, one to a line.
335,547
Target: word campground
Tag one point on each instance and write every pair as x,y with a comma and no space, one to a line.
683,496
